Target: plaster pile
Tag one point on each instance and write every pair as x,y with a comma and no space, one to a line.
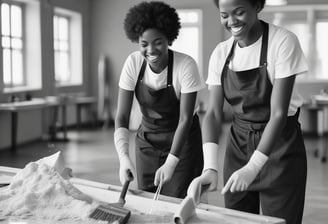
39,192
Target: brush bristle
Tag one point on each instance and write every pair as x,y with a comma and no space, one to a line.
111,213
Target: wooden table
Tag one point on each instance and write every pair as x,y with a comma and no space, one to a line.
139,203
14,108
83,102
57,103
61,103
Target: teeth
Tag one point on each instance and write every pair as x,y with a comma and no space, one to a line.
236,29
152,58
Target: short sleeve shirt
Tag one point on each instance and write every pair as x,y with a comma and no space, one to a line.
185,76
285,58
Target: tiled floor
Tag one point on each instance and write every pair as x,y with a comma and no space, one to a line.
92,156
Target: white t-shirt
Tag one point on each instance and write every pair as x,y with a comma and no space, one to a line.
284,58
185,75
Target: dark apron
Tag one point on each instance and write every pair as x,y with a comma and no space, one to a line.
280,186
160,118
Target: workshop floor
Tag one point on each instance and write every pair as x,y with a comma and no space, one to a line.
91,155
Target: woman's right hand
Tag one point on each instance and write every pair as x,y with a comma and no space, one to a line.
208,179
127,170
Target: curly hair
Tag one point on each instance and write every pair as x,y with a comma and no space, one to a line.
155,15
253,2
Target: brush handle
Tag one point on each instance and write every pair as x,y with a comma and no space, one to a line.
125,189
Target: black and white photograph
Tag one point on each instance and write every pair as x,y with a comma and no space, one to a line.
163,111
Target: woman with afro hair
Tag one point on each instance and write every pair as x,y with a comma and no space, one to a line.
165,83
265,164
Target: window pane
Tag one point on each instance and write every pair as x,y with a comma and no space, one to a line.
7,67
63,28
56,45
322,49
18,68
17,43
6,42
5,19
62,67
188,16
55,27
57,76
63,46
16,21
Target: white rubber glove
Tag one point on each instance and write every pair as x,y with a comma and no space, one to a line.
242,178
209,178
211,155
126,169
210,172
165,172
121,141
201,184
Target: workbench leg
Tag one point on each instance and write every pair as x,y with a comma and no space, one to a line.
14,117
53,126
78,116
64,125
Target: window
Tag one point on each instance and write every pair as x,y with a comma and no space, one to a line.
67,26
322,48
189,40
310,24
62,49
12,45
20,46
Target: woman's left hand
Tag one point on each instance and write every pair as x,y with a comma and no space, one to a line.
242,178
165,172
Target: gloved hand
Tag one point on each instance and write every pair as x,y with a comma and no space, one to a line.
209,176
165,172
127,170
242,178
121,141
207,181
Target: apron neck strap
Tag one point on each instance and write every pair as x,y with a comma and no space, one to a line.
264,47
170,68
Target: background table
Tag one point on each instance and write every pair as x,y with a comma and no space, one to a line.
14,108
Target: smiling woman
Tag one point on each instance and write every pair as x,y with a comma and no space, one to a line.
254,71
165,83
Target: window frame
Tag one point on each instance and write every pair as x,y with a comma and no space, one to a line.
76,47
23,50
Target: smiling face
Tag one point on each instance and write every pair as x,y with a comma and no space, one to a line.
239,17
153,46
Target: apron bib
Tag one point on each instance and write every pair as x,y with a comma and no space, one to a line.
160,116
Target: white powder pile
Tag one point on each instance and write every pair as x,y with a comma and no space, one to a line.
39,192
